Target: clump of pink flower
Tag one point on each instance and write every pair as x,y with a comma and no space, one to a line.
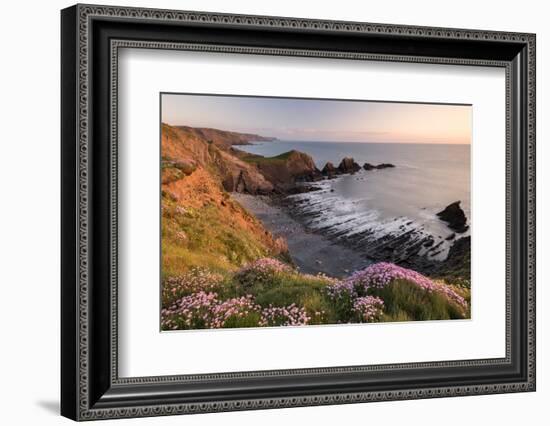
291,315
368,308
260,271
198,279
340,290
233,309
205,310
189,312
379,275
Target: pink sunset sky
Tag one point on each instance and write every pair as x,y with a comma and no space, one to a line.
323,120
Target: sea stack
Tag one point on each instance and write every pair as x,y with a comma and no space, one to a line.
348,165
455,217
369,166
329,170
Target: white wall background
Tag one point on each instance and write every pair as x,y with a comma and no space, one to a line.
29,213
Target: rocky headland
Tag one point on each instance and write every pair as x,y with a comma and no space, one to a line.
283,171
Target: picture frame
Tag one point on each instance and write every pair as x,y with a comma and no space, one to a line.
91,37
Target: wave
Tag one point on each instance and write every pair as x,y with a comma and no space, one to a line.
367,229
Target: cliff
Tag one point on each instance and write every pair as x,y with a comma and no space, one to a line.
185,146
224,138
284,170
202,226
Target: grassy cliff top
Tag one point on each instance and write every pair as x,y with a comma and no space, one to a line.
285,156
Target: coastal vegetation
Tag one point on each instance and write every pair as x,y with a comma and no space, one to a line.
268,292
221,267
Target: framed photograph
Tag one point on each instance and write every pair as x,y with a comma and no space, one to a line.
263,212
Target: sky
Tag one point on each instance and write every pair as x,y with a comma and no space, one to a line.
322,120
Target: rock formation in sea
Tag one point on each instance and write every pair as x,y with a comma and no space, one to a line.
455,217
369,166
348,165
385,166
329,170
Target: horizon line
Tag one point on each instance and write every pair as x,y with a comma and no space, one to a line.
277,139
361,142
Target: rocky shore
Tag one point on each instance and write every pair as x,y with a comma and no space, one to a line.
312,253
406,244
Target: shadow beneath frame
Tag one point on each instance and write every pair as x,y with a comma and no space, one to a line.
50,406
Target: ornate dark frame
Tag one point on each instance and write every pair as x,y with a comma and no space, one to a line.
91,37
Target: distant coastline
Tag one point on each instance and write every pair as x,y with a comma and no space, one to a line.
226,138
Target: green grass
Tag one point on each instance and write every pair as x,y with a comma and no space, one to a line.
249,320
283,289
404,301
258,159
205,238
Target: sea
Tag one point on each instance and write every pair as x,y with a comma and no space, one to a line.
426,179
